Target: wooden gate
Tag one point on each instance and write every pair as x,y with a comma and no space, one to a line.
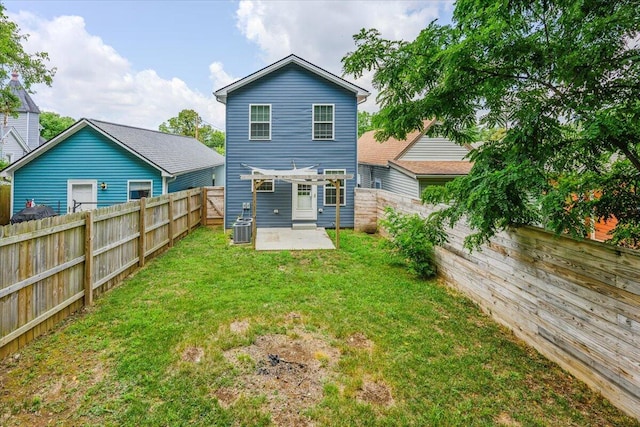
214,206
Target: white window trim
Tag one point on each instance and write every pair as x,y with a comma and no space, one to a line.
94,191
377,181
272,181
342,190
139,180
270,120
333,122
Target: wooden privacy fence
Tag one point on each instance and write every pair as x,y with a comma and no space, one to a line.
576,302
51,268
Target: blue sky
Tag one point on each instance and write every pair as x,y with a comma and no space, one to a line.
141,62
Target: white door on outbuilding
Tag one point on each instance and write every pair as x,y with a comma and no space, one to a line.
82,195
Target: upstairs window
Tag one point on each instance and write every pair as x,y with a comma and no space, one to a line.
330,190
323,121
260,122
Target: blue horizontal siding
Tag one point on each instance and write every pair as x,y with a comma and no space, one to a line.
291,91
201,178
83,155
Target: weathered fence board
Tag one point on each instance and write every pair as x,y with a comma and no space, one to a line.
577,302
51,268
5,204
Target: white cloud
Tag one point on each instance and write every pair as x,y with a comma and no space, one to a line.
218,76
94,81
322,31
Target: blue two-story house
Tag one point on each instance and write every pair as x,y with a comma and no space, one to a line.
95,164
291,115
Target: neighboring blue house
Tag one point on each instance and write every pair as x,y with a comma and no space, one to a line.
22,132
95,164
291,114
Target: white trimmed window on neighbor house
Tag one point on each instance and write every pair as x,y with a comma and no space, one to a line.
323,121
260,122
139,189
330,190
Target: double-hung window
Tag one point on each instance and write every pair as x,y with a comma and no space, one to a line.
260,121
330,190
139,189
323,120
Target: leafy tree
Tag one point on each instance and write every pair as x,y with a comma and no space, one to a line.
364,122
189,123
30,67
562,77
13,58
52,124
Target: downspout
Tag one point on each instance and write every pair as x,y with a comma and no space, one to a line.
166,182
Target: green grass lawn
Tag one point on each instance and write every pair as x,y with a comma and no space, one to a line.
437,358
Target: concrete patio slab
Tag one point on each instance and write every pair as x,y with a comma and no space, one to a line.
279,239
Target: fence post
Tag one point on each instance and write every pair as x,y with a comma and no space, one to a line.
142,240
188,211
203,207
88,258
171,225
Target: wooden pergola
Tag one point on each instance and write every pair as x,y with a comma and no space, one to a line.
298,178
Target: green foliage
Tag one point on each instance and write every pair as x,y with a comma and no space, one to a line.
30,67
558,81
189,123
3,163
53,123
414,238
364,122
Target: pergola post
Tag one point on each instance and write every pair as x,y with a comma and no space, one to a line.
336,184
254,211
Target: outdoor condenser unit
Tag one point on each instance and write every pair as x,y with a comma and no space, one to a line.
242,231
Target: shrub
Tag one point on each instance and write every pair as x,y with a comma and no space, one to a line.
414,237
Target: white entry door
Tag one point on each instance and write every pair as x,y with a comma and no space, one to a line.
305,201
82,195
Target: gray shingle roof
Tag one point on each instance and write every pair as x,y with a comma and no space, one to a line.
26,103
175,154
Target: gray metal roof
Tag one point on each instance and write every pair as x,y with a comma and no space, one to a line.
26,103
175,154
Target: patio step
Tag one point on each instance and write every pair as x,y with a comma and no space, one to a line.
304,226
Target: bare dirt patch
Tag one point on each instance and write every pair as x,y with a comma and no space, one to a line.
505,419
359,340
375,393
193,354
226,396
289,370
